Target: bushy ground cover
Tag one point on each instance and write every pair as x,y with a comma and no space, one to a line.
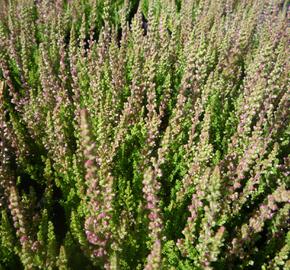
147,134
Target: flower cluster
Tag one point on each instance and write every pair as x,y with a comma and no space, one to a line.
144,134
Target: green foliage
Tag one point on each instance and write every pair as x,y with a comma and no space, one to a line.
144,134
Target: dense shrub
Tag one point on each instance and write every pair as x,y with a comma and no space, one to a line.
144,134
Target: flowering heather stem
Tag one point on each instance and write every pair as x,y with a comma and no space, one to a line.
144,134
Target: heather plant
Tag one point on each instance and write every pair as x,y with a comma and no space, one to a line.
144,134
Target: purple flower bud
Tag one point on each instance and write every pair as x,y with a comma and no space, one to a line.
23,239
